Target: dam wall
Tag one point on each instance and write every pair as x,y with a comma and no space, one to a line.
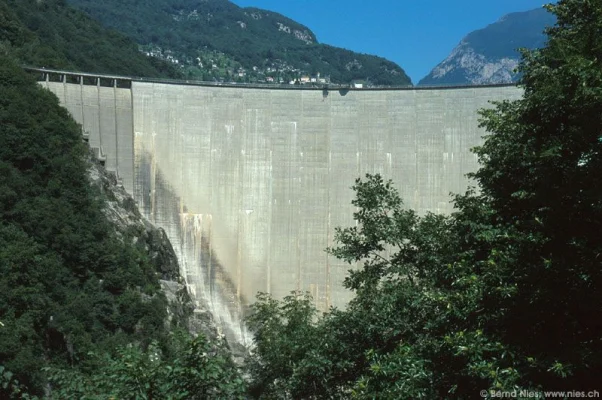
250,183
106,116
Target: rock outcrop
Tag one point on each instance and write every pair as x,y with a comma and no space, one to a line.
491,55
122,211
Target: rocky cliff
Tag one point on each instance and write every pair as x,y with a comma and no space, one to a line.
490,55
122,211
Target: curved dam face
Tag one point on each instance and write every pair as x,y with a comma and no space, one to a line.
250,183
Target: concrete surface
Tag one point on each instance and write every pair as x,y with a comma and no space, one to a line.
250,183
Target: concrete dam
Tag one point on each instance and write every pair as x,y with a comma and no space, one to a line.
249,183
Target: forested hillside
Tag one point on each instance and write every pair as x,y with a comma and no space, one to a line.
80,297
67,285
80,302
216,39
53,35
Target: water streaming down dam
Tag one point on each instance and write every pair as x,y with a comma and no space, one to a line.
249,183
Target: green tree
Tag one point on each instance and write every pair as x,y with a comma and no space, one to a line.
505,293
196,370
68,284
541,175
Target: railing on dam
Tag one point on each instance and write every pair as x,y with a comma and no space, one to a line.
125,82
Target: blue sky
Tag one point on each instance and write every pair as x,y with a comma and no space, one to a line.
416,34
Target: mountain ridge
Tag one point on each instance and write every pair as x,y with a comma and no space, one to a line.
489,55
218,40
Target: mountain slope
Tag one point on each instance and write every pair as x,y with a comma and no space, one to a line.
83,277
216,39
53,35
490,55
68,283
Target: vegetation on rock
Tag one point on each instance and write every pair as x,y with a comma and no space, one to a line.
82,314
82,311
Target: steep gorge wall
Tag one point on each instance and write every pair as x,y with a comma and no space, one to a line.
250,183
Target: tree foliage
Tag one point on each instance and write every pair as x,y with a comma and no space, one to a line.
541,175
81,309
196,370
53,35
505,293
68,285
